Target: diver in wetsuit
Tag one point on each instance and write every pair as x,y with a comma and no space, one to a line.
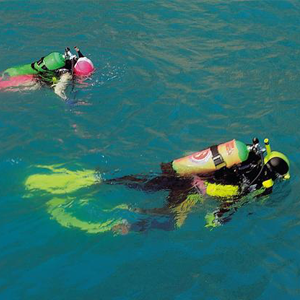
253,174
74,67
233,172
55,70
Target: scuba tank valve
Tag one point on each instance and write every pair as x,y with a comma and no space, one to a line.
68,54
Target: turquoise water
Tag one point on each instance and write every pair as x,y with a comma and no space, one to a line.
172,77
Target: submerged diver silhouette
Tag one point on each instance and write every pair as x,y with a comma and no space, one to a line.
228,172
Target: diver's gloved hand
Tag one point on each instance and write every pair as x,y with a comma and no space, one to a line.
70,101
212,220
122,228
78,52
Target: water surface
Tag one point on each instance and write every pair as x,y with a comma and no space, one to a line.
172,77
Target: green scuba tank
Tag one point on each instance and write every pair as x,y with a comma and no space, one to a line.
19,70
51,62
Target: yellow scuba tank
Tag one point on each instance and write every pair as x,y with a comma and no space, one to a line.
211,159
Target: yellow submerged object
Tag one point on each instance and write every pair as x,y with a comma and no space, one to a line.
55,208
61,180
182,210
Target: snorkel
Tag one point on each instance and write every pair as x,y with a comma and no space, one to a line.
267,146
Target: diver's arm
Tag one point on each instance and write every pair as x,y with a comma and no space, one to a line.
221,215
173,201
147,184
224,213
168,217
143,225
230,199
78,51
60,86
265,192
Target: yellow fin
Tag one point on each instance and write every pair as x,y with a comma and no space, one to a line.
58,213
61,180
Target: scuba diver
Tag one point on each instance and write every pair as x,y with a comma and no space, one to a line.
75,67
232,172
55,70
79,66
228,172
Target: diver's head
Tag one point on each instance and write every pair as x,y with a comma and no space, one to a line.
278,165
83,67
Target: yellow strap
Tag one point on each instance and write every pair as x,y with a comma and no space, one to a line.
222,191
268,183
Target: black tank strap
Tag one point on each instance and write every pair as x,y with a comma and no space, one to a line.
41,64
33,67
216,156
45,68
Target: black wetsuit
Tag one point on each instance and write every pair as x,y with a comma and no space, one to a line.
249,176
